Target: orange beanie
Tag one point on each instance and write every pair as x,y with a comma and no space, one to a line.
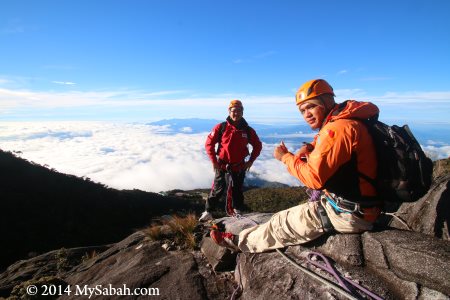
235,103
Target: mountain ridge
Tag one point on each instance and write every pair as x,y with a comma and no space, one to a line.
44,209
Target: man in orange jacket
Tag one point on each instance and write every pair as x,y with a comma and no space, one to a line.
337,166
228,161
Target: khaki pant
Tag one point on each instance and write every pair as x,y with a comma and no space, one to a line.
297,225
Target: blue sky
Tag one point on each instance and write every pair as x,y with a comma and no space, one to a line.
142,60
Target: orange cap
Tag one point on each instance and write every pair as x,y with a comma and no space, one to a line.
312,89
235,103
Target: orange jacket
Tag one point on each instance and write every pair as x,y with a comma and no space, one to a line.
342,148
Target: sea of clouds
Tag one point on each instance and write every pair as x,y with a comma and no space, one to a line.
138,156
126,156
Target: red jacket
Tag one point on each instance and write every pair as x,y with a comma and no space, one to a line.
342,148
234,143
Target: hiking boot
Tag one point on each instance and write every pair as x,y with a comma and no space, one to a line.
225,239
206,216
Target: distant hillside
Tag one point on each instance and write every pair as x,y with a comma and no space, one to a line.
42,209
274,199
268,199
261,183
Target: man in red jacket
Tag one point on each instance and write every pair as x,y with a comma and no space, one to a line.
228,160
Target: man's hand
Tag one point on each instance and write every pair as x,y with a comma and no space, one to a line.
279,151
304,151
248,165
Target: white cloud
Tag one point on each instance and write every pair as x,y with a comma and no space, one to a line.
25,98
64,82
147,105
341,72
345,94
132,105
422,98
255,57
435,153
13,26
380,78
264,54
4,81
59,67
136,156
125,156
268,168
436,143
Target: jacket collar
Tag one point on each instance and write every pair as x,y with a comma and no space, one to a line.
241,125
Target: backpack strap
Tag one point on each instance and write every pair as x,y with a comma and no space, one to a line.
221,131
248,129
369,122
372,181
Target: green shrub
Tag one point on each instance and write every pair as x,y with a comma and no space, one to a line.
273,200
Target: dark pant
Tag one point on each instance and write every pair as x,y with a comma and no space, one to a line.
231,183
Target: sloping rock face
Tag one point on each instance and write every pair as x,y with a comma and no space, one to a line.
141,264
411,264
136,262
429,215
393,264
264,275
50,264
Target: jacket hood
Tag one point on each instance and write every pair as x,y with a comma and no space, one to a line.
352,109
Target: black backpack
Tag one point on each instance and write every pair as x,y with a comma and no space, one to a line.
404,171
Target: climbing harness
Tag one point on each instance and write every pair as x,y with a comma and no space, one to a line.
341,205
